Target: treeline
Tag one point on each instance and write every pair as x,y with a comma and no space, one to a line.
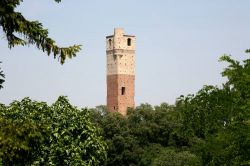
211,127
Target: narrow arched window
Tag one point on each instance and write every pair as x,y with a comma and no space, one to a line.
110,42
129,42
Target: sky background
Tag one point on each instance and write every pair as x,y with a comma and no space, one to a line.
178,46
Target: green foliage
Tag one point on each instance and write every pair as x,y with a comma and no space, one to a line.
169,157
123,148
211,127
149,154
138,138
147,122
2,76
20,142
37,134
219,118
207,111
20,31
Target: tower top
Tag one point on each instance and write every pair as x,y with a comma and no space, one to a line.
120,41
119,32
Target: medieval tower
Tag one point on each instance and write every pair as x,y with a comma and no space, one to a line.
120,51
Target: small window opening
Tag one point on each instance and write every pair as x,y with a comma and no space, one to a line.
110,42
114,56
114,108
123,90
129,42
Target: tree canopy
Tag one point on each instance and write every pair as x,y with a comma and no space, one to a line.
34,133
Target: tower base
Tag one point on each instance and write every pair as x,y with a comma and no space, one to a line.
120,92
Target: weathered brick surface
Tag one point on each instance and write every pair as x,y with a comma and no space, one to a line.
117,102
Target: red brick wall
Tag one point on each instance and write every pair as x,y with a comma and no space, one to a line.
117,102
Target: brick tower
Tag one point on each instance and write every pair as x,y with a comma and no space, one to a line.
120,50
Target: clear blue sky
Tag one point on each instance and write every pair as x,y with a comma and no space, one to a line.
178,46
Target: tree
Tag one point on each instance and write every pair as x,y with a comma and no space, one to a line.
33,133
20,31
238,130
230,145
219,118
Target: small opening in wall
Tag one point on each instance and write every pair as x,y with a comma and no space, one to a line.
114,56
123,90
110,42
129,42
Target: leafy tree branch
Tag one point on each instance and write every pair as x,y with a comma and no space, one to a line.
2,76
20,31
